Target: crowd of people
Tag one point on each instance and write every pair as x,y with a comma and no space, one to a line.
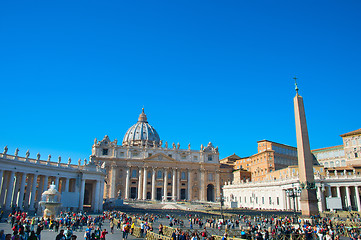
69,225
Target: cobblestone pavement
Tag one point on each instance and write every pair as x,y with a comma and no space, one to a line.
50,235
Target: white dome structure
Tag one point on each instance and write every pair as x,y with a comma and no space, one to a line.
141,134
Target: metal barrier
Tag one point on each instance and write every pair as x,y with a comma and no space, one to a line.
155,236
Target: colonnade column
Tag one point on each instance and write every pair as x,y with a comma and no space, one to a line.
33,192
10,191
329,192
189,194
56,183
82,191
96,200
20,199
45,186
174,180
101,195
145,181
66,184
358,202
126,192
348,197
140,184
16,189
321,199
165,195
40,188
2,181
153,184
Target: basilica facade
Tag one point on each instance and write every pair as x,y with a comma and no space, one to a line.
143,167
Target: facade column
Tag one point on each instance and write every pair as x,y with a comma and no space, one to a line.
179,173
28,191
96,196
9,192
153,184
202,185
113,182
357,196
189,187
165,195
140,184
174,182
338,192
218,187
20,200
126,194
348,198
82,191
33,192
145,182
40,188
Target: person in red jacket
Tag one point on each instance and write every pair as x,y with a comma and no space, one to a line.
102,235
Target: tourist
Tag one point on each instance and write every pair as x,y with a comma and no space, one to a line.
32,236
61,235
160,229
68,233
103,233
38,230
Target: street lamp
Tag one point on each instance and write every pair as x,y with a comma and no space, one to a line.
294,193
221,199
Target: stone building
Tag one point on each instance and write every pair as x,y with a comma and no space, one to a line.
143,167
24,179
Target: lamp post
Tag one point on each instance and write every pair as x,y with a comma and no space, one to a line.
294,193
221,200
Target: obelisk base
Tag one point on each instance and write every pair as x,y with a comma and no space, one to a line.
309,202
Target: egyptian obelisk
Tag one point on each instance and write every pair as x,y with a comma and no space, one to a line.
305,160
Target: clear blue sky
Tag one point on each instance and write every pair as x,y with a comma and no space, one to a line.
218,71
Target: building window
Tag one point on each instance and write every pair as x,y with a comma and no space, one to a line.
270,200
169,155
149,175
262,200
184,157
245,200
135,154
159,174
210,176
105,151
122,154
240,199
183,176
134,173
209,157
356,155
195,157
278,201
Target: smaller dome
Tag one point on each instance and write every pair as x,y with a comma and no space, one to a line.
141,133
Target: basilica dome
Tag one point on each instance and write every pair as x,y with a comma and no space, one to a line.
141,133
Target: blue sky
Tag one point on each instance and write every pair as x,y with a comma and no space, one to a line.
218,71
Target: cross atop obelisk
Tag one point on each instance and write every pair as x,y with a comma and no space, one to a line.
305,160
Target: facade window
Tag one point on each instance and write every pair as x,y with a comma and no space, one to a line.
245,200
278,201
356,155
262,200
195,157
270,200
169,155
240,199
134,173
159,174
184,157
105,151
209,157
149,175
256,199
210,176
135,154
169,175
235,199
122,154
183,176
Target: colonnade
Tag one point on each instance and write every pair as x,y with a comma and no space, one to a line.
350,196
24,190
180,185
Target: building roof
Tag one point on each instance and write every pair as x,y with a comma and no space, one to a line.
265,140
327,148
356,132
141,133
